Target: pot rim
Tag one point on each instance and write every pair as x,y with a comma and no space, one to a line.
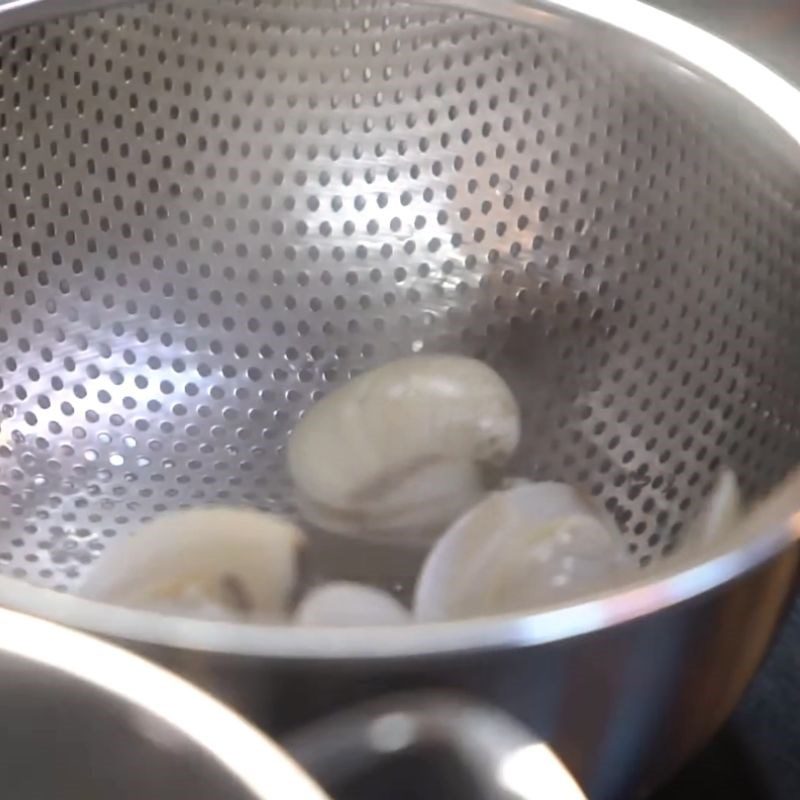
257,764
681,580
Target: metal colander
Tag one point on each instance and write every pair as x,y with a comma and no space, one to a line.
213,213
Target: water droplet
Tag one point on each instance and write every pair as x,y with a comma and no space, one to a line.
504,187
116,460
417,345
90,455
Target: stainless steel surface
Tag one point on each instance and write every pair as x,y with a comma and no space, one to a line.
83,720
217,211
768,29
500,759
766,722
194,253
67,699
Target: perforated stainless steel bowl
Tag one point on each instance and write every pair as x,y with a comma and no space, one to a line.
215,212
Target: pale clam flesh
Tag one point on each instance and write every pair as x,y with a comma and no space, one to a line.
721,512
205,562
345,604
402,450
530,545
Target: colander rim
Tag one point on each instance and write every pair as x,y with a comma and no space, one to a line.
686,579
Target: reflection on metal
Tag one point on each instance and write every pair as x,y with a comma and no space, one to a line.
501,760
532,772
167,710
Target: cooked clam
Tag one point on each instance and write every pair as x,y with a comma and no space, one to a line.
721,512
404,449
342,603
529,545
205,562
